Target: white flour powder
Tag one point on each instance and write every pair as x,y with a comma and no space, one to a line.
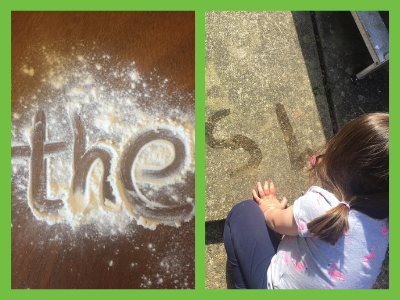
109,101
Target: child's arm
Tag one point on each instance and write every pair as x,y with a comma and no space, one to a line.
277,217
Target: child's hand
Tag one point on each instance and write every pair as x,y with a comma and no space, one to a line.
276,216
266,198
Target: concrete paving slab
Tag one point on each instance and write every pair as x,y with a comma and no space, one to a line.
263,118
266,114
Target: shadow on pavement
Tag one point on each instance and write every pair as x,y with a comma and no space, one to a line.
230,280
214,232
342,53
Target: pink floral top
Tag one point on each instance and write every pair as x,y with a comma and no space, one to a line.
304,262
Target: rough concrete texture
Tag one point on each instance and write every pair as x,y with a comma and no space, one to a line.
266,113
263,121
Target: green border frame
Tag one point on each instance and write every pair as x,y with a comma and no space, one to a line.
199,8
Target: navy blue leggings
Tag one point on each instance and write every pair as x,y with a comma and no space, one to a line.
249,244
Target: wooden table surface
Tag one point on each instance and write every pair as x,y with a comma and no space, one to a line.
51,256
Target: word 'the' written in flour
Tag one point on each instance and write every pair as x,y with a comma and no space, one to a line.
95,154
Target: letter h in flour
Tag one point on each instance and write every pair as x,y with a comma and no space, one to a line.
84,159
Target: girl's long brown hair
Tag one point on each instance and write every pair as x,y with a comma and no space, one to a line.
354,165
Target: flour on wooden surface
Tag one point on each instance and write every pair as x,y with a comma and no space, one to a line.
108,99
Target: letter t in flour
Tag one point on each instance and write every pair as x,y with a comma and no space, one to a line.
38,176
